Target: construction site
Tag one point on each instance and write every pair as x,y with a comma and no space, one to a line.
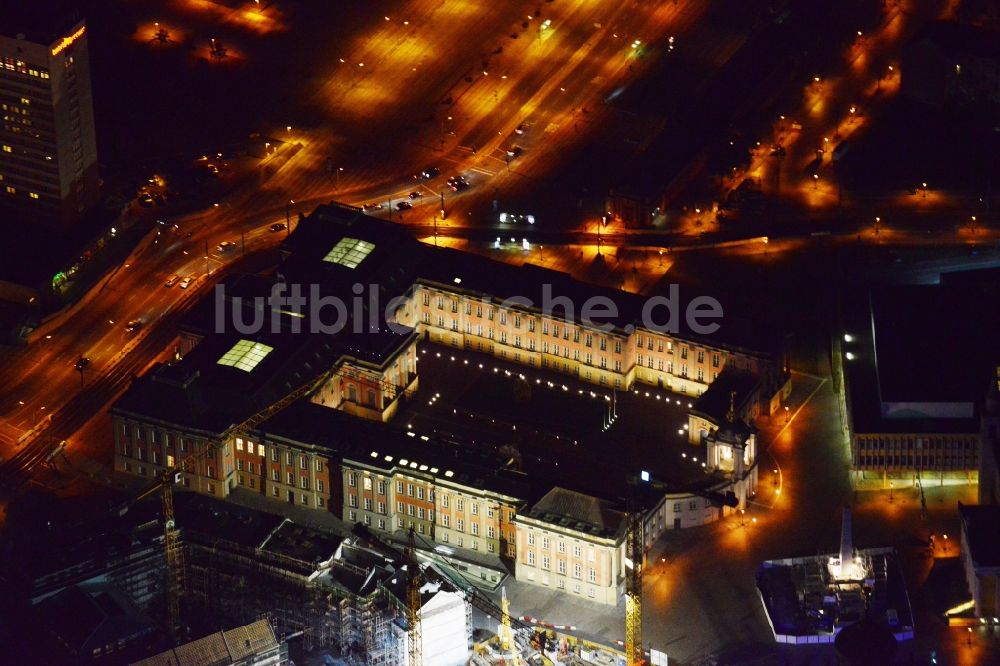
343,600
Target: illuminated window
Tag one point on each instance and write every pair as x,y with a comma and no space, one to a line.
10,190
245,355
7,149
33,195
349,252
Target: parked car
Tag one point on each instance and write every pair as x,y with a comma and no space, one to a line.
416,195
186,282
404,205
146,200
171,281
278,226
133,326
225,246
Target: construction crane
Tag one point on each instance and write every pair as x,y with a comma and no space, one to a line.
507,644
173,554
414,582
635,555
166,478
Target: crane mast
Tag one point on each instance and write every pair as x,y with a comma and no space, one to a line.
413,605
633,582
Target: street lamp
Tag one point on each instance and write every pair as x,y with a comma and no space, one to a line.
877,221
815,181
890,492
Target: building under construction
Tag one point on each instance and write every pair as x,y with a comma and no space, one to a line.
347,596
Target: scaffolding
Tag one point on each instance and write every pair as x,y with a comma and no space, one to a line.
229,583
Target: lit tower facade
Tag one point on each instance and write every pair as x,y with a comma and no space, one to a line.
48,145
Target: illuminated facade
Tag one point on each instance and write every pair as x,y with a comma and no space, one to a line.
618,359
48,145
573,543
457,507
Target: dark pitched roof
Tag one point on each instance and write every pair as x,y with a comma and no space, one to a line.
221,648
198,393
347,436
579,512
714,402
91,615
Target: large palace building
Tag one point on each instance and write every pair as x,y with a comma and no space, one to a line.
326,417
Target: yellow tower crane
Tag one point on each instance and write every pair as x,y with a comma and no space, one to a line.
414,603
173,553
635,556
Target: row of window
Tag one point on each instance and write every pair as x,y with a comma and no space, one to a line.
21,67
419,527
561,566
516,320
909,444
290,457
588,358
909,461
560,546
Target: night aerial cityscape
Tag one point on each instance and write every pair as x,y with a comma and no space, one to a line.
448,332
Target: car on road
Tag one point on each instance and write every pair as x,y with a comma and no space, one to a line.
514,151
171,281
226,246
278,226
146,200
186,282
457,183
415,194
404,205
519,129
371,207
133,326
427,174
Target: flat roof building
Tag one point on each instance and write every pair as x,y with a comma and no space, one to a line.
916,361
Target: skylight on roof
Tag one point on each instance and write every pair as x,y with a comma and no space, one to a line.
245,355
349,252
